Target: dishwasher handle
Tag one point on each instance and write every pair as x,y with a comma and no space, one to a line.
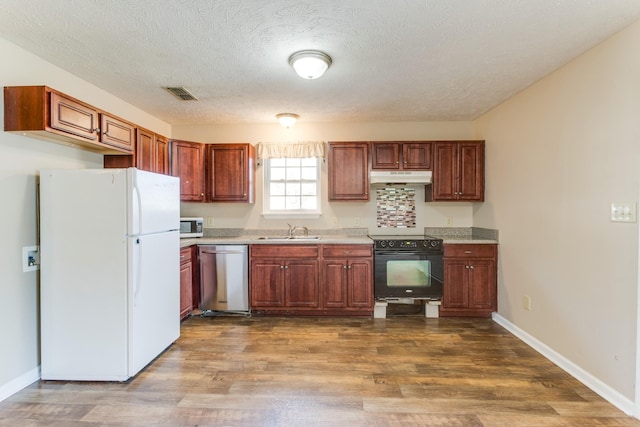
213,251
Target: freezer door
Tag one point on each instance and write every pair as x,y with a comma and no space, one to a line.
154,296
155,202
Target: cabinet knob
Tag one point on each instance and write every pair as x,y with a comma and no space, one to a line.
344,266
471,267
201,194
106,134
97,130
467,252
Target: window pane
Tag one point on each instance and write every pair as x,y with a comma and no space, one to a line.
309,173
277,174
276,189
308,189
309,161
292,203
278,162
276,203
309,202
293,174
293,162
293,189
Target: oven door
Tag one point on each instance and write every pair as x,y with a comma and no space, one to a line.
408,275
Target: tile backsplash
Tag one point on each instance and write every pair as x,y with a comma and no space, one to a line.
396,206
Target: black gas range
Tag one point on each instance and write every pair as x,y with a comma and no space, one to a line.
408,267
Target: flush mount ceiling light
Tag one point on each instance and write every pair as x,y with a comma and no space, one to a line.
287,119
310,64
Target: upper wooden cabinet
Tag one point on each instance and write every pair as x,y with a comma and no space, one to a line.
187,163
214,172
348,171
401,155
230,173
151,154
48,114
458,172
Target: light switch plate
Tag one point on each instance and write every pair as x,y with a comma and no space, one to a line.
623,212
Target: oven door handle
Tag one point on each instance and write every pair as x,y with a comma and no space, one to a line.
396,253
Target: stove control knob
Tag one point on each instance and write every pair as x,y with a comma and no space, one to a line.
382,243
434,243
392,244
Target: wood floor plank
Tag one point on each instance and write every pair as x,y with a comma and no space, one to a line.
269,371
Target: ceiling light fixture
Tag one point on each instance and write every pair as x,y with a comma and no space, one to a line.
310,64
287,119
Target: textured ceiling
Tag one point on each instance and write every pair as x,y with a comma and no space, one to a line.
393,60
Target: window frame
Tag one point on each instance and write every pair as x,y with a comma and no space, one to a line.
267,212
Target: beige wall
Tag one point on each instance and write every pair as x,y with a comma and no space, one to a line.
20,160
558,154
242,216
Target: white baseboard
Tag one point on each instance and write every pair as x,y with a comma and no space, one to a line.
606,392
19,383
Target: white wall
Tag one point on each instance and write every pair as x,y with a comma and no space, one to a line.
557,155
227,215
20,160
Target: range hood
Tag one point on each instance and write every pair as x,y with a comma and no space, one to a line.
399,177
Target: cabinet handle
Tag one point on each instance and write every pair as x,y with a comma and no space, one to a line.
467,252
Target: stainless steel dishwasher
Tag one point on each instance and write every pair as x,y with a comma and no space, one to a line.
224,278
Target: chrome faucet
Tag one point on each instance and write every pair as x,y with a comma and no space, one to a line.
293,228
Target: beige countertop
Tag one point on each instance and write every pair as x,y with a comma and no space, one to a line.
254,240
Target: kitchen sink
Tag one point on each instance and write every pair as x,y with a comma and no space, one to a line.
287,238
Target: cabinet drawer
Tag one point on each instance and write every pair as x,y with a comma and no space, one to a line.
342,251
286,251
470,251
185,255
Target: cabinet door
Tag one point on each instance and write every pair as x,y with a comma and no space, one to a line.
161,163
117,133
145,150
456,286
73,117
334,292
385,155
471,171
417,155
187,163
444,185
229,172
482,288
360,290
301,283
266,283
186,282
348,171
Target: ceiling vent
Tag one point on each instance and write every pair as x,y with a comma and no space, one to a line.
181,93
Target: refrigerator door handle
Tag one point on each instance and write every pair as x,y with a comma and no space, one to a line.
137,209
138,271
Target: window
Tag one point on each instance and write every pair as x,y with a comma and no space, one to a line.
292,187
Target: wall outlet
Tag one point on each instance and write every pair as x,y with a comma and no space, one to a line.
30,258
334,221
526,302
449,221
623,212
356,221
208,222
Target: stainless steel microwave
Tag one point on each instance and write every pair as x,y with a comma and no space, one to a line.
191,227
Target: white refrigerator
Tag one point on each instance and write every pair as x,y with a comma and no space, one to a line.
110,278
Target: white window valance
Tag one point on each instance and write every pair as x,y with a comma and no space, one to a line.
278,150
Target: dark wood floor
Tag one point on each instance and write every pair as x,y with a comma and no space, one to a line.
400,371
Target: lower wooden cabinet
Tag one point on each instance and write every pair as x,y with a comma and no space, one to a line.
347,276
311,279
470,280
187,270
